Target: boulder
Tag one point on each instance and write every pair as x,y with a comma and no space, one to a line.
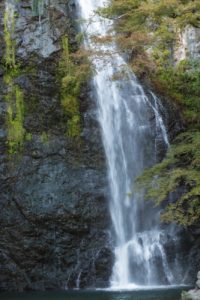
193,294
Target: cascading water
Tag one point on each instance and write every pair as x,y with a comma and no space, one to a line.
129,138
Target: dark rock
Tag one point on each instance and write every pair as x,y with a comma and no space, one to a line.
54,194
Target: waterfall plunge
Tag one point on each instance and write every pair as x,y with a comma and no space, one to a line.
124,113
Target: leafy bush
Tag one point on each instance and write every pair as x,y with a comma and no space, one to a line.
177,175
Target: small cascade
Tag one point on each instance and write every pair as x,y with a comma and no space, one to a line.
161,139
160,126
78,280
38,7
129,138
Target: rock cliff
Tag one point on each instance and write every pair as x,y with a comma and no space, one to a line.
54,209
187,44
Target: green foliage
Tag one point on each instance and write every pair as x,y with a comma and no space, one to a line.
74,126
137,12
79,38
44,138
14,96
177,175
74,70
15,117
182,83
28,137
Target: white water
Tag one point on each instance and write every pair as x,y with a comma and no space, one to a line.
129,137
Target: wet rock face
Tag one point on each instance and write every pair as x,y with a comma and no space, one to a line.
187,44
43,23
171,120
54,194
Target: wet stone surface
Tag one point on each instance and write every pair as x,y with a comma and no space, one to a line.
54,195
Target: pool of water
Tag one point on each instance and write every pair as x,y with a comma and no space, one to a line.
155,294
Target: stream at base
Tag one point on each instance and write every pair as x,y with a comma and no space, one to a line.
146,294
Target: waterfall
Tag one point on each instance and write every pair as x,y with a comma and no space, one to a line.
129,137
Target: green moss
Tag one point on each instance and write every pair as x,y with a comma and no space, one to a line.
79,38
74,70
70,105
65,63
15,118
44,138
14,96
28,137
73,125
